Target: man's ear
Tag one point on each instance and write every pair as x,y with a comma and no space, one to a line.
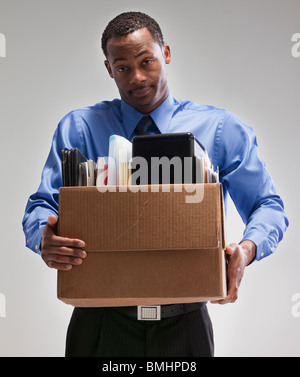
108,67
167,53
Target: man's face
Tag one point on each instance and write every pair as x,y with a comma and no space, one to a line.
137,63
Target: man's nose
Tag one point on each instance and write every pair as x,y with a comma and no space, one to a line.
137,76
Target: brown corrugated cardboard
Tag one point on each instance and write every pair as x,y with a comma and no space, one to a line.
144,248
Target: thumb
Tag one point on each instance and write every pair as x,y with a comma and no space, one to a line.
230,249
52,221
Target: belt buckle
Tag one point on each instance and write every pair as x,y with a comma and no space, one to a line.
149,313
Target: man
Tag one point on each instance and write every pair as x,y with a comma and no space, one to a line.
137,59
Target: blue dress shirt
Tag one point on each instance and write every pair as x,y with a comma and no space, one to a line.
230,144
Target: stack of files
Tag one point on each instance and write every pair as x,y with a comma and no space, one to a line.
122,162
119,161
102,171
210,175
77,170
87,173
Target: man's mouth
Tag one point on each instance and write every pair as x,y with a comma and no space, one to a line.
141,92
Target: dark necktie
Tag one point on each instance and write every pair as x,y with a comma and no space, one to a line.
146,126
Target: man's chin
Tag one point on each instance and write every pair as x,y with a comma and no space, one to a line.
145,104
142,104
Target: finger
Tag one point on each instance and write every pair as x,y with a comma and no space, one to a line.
220,302
232,292
63,259
59,266
216,301
230,298
64,241
67,251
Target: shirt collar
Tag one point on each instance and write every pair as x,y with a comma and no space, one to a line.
161,115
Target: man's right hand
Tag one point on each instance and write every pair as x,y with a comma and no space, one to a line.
60,252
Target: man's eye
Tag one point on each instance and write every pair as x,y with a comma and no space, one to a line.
121,69
148,61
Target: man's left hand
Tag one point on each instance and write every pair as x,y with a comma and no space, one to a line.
238,256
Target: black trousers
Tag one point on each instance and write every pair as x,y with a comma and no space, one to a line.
105,332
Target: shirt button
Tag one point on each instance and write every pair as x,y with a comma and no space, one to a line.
262,254
36,247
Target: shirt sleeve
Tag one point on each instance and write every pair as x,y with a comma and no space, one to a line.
244,175
44,202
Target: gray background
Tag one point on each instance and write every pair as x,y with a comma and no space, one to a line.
234,54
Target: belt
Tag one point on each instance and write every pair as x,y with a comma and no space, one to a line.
157,312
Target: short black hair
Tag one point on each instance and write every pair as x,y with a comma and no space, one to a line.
128,22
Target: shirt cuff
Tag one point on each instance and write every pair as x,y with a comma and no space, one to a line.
34,242
263,248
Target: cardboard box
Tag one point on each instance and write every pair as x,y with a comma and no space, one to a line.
144,248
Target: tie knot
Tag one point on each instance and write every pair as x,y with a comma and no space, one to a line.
146,126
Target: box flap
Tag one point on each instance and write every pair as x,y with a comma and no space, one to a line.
149,220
